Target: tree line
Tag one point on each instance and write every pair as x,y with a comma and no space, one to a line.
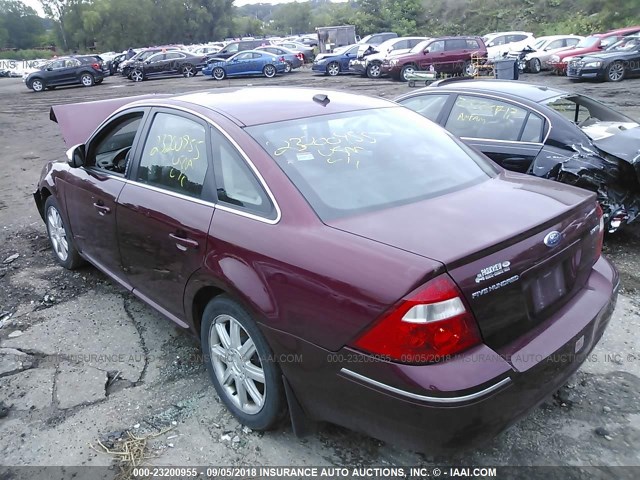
80,25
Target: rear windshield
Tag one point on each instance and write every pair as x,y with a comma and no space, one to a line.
354,162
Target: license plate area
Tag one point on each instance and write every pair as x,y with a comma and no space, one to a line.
547,288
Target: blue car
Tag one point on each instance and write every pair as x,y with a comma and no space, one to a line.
249,62
293,59
337,62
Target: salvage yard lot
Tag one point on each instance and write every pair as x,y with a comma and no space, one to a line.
84,361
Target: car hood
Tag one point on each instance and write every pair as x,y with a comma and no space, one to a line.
324,56
609,55
622,140
497,211
577,52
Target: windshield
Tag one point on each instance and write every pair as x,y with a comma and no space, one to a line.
626,44
580,109
588,42
354,162
539,44
420,47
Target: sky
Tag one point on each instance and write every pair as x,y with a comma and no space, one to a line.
35,4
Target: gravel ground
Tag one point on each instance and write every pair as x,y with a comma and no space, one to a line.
82,361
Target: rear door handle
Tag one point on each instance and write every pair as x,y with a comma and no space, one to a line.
183,243
102,209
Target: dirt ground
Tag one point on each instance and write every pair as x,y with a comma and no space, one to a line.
82,361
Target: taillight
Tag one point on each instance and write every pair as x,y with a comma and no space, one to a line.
96,66
300,56
427,325
281,60
600,239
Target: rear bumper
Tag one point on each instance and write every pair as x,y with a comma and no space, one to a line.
458,402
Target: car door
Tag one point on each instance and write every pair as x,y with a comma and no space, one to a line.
456,53
91,193
433,54
165,210
54,73
240,64
156,64
508,133
349,55
174,62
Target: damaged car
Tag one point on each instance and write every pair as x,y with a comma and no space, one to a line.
370,58
544,132
620,61
317,243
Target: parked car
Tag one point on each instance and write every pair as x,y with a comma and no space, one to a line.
369,59
618,62
543,48
82,70
232,48
125,66
292,59
335,63
500,43
205,50
307,51
251,62
545,132
445,54
377,38
285,227
115,62
167,63
592,44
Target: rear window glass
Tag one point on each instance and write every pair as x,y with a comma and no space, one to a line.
354,162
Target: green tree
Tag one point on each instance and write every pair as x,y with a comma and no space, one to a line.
20,26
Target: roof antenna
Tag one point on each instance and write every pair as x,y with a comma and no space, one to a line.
322,99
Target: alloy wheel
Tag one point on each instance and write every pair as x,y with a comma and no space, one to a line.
616,72
373,70
535,66
333,69
87,80
37,85
236,364
137,76
218,73
188,71
269,71
57,234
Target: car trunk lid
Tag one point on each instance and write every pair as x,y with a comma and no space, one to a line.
496,242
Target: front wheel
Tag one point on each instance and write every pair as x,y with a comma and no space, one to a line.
241,365
61,241
269,71
37,85
374,70
87,80
136,75
615,72
407,71
188,71
535,66
218,73
333,69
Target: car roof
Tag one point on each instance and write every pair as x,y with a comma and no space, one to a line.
512,88
257,105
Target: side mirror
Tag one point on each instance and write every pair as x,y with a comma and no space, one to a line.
425,51
75,156
49,69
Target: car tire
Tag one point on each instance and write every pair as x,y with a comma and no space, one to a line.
469,69
87,80
241,365
136,75
374,70
333,69
218,73
60,238
535,66
37,85
288,67
269,71
188,71
616,72
407,70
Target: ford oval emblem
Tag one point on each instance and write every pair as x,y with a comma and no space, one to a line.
552,238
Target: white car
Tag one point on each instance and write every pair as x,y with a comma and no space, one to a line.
500,43
369,65
545,47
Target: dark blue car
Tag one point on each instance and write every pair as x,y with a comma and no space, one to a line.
335,63
250,62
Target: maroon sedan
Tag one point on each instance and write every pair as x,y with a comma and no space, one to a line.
341,258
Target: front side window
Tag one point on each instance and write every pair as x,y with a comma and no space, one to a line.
175,155
436,47
478,117
112,146
348,163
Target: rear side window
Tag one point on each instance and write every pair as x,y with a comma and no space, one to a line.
456,44
236,184
479,117
353,162
174,155
472,43
533,129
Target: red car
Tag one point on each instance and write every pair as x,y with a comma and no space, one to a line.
340,257
444,54
593,43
